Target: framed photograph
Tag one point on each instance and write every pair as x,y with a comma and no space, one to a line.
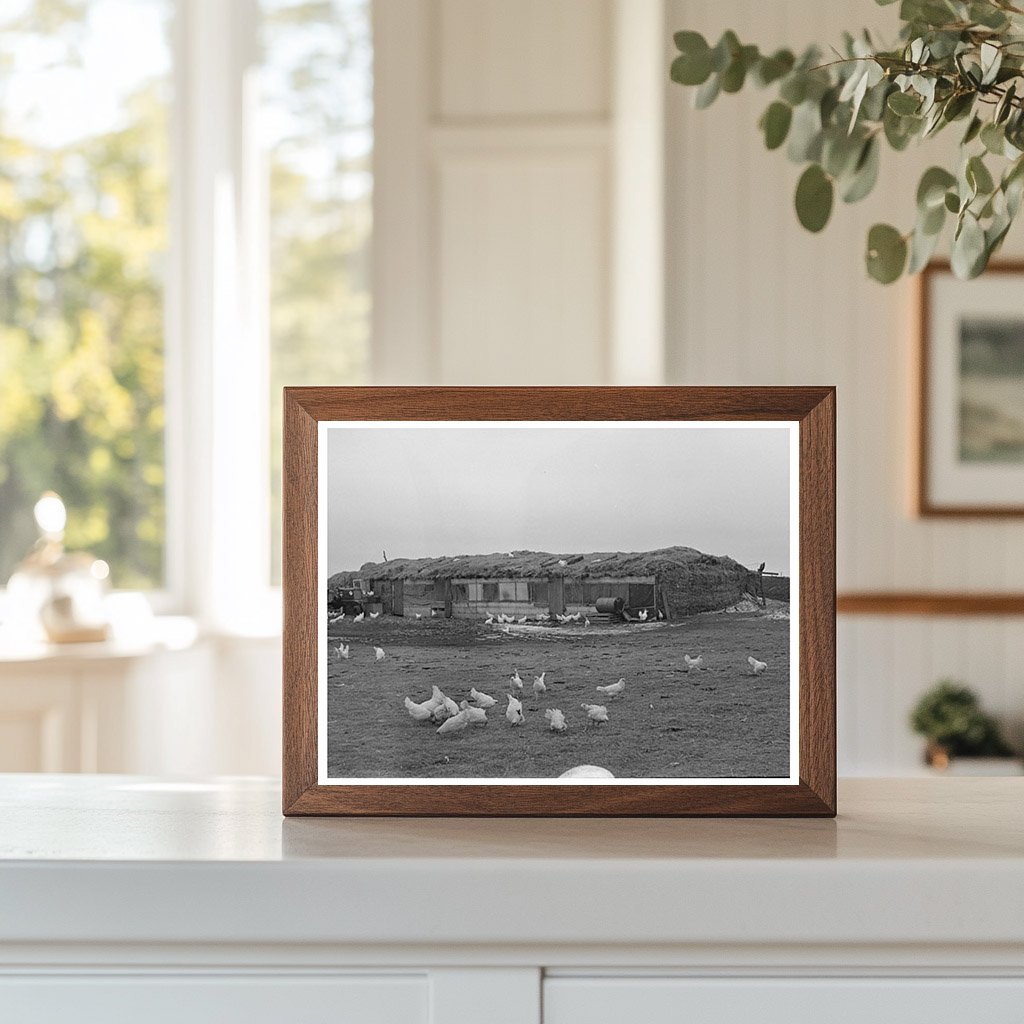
559,601
970,451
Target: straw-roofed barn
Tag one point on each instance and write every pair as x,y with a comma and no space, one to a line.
674,581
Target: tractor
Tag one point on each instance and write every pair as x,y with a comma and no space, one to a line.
352,600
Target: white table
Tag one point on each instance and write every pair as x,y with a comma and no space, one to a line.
125,898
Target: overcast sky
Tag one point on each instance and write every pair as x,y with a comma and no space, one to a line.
417,492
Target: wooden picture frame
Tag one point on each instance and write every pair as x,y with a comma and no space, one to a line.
935,476
809,790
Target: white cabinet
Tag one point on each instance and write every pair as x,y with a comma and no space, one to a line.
132,900
202,999
828,1000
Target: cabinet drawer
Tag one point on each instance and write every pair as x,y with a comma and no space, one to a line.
205,999
660,1000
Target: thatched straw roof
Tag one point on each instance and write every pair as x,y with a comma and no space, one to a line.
542,564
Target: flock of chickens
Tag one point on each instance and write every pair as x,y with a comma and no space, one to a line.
451,717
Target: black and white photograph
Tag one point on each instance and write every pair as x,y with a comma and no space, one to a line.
992,389
558,601
971,391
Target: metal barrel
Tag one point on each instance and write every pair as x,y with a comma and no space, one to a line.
610,605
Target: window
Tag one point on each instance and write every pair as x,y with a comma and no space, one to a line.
83,236
211,174
317,118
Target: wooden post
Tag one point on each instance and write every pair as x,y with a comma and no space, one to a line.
448,599
556,595
398,597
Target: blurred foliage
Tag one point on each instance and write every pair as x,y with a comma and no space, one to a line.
82,230
82,242
950,716
957,61
318,81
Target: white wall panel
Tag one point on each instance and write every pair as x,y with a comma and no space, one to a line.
754,299
527,58
522,284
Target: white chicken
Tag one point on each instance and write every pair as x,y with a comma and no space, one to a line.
421,712
556,720
514,711
522,621
539,686
643,615
481,699
374,615
586,622
516,680
613,689
756,667
693,663
587,771
454,724
475,716
360,617
342,650
449,705
595,712
489,621
378,654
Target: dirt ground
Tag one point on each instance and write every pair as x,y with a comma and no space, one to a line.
717,722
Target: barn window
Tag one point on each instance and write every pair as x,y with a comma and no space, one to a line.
490,591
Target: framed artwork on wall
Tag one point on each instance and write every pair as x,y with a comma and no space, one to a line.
970,445
559,601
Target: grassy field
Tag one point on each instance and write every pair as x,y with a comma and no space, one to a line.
716,722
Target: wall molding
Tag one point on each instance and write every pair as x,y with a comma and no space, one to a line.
928,603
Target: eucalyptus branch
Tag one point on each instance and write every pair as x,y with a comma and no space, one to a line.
954,60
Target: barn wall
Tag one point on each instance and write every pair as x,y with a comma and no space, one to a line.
703,588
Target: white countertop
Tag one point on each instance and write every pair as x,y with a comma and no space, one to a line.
121,859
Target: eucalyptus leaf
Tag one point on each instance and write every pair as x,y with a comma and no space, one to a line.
771,69
931,190
904,103
993,138
886,253
707,93
775,124
865,173
805,133
922,247
978,176
814,195
968,254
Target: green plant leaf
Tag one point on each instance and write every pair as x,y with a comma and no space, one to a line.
814,195
886,253
931,191
771,69
968,256
922,247
693,65
805,133
973,130
707,93
794,88
904,103
865,173
775,124
993,138
725,49
735,74
978,176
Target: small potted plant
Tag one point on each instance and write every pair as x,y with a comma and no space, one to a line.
950,718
